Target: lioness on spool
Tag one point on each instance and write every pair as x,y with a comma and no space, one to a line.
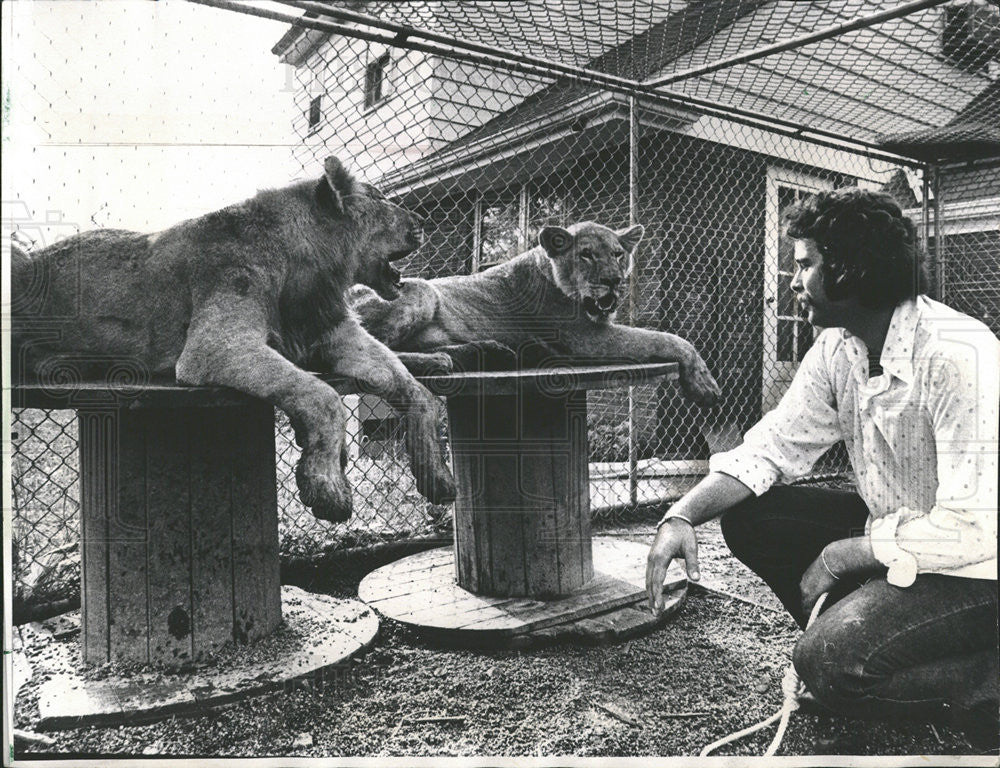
562,294
250,297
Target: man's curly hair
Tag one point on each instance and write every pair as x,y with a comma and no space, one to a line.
869,247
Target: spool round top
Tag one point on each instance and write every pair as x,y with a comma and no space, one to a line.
554,380
165,394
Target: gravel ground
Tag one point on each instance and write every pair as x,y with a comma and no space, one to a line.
714,668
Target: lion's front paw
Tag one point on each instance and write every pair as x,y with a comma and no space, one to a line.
323,486
698,383
439,363
426,363
434,480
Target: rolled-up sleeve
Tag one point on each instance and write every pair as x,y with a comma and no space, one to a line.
963,387
786,443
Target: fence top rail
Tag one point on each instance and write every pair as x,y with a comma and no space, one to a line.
110,394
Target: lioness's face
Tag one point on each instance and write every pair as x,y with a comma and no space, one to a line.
391,233
590,263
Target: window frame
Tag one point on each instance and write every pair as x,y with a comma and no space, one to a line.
379,84
315,107
776,374
522,196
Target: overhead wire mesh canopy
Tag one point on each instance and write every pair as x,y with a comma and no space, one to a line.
878,69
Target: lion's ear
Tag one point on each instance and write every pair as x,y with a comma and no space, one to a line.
630,237
555,240
336,184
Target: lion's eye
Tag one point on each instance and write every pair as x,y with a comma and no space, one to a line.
588,255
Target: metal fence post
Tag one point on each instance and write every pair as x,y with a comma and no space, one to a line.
941,257
633,288
925,230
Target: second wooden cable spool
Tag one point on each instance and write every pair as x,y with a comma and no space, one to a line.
522,518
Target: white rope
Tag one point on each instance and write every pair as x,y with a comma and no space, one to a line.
791,689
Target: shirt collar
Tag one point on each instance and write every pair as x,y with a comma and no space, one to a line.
897,351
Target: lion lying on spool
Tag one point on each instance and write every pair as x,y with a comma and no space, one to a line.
250,297
558,300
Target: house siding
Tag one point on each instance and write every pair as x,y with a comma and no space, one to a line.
963,186
468,95
972,266
703,205
394,132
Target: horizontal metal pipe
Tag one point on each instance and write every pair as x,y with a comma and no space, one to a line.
405,31
795,42
759,119
397,41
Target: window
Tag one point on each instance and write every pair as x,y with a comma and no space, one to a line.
499,231
315,113
509,225
375,85
545,208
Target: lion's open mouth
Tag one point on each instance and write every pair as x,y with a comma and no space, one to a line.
402,253
600,307
392,275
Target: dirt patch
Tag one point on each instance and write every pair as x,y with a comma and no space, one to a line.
715,668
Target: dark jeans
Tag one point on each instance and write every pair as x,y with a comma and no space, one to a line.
876,650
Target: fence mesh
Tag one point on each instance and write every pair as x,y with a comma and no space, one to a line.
494,119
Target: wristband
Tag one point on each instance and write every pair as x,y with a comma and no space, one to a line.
673,516
822,559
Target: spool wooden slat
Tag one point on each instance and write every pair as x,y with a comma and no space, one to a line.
180,531
522,518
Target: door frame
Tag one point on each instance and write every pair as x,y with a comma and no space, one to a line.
776,374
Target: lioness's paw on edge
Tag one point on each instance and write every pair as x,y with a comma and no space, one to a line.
427,363
438,363
327,493
699,384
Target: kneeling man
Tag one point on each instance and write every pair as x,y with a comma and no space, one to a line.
909,561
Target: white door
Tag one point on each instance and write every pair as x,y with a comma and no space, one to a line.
787,334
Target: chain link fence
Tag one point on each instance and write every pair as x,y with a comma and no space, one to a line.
700,120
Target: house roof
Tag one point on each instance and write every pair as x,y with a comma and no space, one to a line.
639,58
973,133
565,102
898,79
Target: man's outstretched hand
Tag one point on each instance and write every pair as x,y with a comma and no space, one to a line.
674,539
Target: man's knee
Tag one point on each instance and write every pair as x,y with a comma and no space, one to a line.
830,668
735,531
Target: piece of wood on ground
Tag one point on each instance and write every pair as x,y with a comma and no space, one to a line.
32,739
617,712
